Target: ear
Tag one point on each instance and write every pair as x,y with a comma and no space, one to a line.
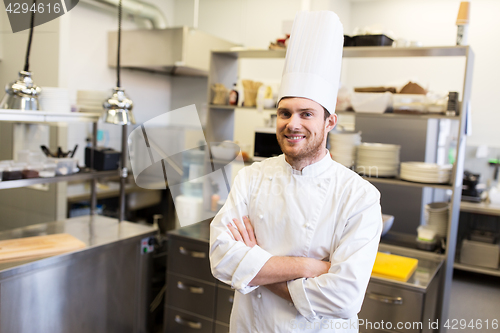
330,122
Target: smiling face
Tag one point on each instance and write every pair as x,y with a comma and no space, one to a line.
301,130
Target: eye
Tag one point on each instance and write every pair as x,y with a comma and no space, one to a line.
307,114
283,114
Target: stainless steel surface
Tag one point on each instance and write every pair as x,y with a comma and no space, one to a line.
21,94
123,174
475,269
480,208
400,182
93,181
136,8
185,322
119,108
47,116
457,178
361,52
385,298
403,306
192,295
68,178
174,51
102,288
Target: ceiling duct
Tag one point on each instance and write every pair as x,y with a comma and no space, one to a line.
136,8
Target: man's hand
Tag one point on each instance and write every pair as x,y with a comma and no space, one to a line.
242,233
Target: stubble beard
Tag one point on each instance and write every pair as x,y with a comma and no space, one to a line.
309,152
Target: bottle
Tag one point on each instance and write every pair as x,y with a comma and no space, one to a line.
463,23
234,95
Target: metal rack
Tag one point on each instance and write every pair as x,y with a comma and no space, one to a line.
42,117
224,69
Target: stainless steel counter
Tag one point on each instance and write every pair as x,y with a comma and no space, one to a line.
101,288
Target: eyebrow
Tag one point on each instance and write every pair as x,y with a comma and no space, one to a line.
300,110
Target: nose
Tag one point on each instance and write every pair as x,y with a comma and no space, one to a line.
294,123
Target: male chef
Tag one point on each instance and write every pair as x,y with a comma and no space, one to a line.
298,235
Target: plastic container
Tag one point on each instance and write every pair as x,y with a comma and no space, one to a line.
65,166
32,171
49,170
13,172
372,40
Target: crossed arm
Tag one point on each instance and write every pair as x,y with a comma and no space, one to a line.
277,270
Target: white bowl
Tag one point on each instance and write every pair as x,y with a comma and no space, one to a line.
371,102
223,153
387,220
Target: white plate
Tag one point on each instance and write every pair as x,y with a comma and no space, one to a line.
379,146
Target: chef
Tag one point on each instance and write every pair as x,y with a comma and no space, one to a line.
298,235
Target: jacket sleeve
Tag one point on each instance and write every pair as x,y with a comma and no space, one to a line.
231,261
340,292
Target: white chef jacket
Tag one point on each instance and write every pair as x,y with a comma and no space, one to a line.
325,211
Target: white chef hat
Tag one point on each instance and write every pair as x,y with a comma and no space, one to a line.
314,59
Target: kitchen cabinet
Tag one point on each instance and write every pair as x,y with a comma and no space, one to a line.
224,68
102,288
195,300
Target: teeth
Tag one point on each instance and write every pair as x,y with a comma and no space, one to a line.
296,137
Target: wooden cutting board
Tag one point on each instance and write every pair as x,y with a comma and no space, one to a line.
38,246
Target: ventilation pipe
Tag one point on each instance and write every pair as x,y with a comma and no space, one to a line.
136,8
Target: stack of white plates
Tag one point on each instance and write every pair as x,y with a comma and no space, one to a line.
54,100
436,217
426,172
91,100
378,159
343,147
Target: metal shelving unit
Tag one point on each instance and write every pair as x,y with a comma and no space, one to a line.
224,69
21,116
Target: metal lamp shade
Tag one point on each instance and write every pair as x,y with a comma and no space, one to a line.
21,94
119,108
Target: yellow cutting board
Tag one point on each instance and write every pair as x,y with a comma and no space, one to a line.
38,246
391,266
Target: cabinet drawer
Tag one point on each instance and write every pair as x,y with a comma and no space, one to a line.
225,299
181,322
219,328
190,295
393,305
189,258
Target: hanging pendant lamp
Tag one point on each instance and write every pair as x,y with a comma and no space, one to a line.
119,107
22,94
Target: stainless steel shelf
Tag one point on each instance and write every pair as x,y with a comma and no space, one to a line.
363,52
482,270
406,244
480,208
398,115
357,114
6,184
47,117
387,51
395,181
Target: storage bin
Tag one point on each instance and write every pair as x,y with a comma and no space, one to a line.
480,254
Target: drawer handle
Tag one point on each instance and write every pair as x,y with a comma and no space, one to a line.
385,298
184,322
190,288
194,254
231,299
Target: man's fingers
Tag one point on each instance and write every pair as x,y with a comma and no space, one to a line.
248,225
235,232
243,231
